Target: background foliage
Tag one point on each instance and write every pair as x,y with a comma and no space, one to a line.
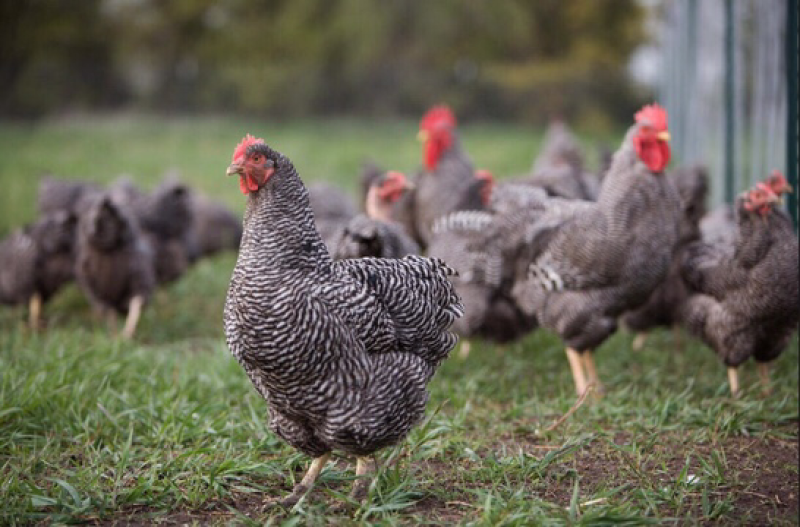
507,59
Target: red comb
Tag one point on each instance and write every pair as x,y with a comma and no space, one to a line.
436,117
654,114
484,175
242,147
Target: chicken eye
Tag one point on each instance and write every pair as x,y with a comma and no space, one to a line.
258,158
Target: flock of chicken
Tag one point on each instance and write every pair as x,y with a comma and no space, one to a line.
117,243
340,324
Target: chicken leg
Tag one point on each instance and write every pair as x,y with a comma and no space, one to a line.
305,484
591,372
35,311
576,365
763,375
638,341
364,467
733,381
134,312
463,349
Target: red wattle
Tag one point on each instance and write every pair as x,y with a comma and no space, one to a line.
435,147
654,154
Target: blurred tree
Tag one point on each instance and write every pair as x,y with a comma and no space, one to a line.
503,59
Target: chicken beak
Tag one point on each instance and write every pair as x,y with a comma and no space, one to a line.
235,169
663,136
423,136
408,185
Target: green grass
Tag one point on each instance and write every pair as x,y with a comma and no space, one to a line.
168,428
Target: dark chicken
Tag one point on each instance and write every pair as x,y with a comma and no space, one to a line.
746,297
342,351
588,262
114,263
374,233
332,210
36,261
665,305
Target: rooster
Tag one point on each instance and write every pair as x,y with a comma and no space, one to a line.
446,184
746,297
341,351
588,262
375,233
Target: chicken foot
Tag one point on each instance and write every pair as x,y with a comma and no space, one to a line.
733,381
134,312
638,341
576,365
591,372
464,349
763,375
364,467
302,488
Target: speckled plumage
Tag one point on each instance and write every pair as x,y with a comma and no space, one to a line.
332,210
559,167
341,351
215,227
746,301
585,265
450,187
38,258
113,261
665,305
55,195
364,236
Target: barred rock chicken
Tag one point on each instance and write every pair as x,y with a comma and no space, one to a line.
114,263
746,299
665,304
166,219
476,243
36,261
446,184
587,264
374,233
341,351
332,209
215,228
559,167
55,195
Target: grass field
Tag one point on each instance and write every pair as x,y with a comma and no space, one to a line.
168,428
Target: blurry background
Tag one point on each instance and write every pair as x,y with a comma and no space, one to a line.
719,66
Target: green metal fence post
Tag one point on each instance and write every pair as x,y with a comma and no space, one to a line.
791,94
729,95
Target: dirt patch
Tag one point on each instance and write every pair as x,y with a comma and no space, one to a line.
754,480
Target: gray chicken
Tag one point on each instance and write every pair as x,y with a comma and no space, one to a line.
374,233
665,304
215,228
341,351
36,261
586,264
559,167
480,246
332,208
55,195
745,301
114,264
446,184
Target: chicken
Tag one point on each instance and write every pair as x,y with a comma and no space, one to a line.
475,244
559,168
55,195
341,351
665,304
374,233
114,264
585,263
166,218
215,228
332,210
36,261
746,298
446,184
